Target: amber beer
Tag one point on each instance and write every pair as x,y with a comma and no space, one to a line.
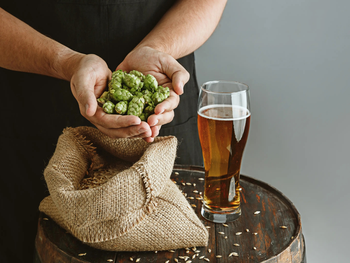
223,132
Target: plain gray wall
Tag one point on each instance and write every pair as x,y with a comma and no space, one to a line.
295,56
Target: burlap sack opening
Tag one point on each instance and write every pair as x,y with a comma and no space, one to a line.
138,209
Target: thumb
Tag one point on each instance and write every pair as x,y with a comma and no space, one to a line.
85,98
91,104
178,75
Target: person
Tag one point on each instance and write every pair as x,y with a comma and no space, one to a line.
47,46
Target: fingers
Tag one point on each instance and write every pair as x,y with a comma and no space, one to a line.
142,131
160,119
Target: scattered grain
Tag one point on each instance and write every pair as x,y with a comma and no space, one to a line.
226,225
238,233
236,245
207,259
283,227
138,260
218,256
82,254
176,173
233,254
188,184
221,233
256,212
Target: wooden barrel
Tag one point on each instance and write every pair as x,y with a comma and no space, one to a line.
269,230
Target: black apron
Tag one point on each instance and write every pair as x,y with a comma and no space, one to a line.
35,109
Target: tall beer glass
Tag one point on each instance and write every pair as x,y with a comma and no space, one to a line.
223,126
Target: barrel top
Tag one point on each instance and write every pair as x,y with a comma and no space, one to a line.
269,230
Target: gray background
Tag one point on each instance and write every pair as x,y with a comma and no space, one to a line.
295,57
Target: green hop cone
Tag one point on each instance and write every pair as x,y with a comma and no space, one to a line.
144,116
164,90
120,95
162,94
118,75
136,106
132,81
150,83
138,74
108,107
147,95
114,85
149,109
121,107
103,98
116,80
138,94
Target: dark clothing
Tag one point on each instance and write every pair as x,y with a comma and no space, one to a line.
35,109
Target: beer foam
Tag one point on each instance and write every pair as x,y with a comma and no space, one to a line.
224,112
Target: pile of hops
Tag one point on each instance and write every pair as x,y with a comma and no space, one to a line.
132,93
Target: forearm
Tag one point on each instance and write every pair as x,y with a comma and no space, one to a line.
185,27
24,49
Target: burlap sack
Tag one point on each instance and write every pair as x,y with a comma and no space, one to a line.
138,209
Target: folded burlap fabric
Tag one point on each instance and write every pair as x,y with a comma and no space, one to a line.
137,208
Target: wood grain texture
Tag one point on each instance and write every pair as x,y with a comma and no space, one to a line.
262,238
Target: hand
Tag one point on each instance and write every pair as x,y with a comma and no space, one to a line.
89,80
168,72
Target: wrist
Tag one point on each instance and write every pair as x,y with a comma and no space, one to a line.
66,63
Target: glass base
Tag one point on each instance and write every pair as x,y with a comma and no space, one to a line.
220,217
